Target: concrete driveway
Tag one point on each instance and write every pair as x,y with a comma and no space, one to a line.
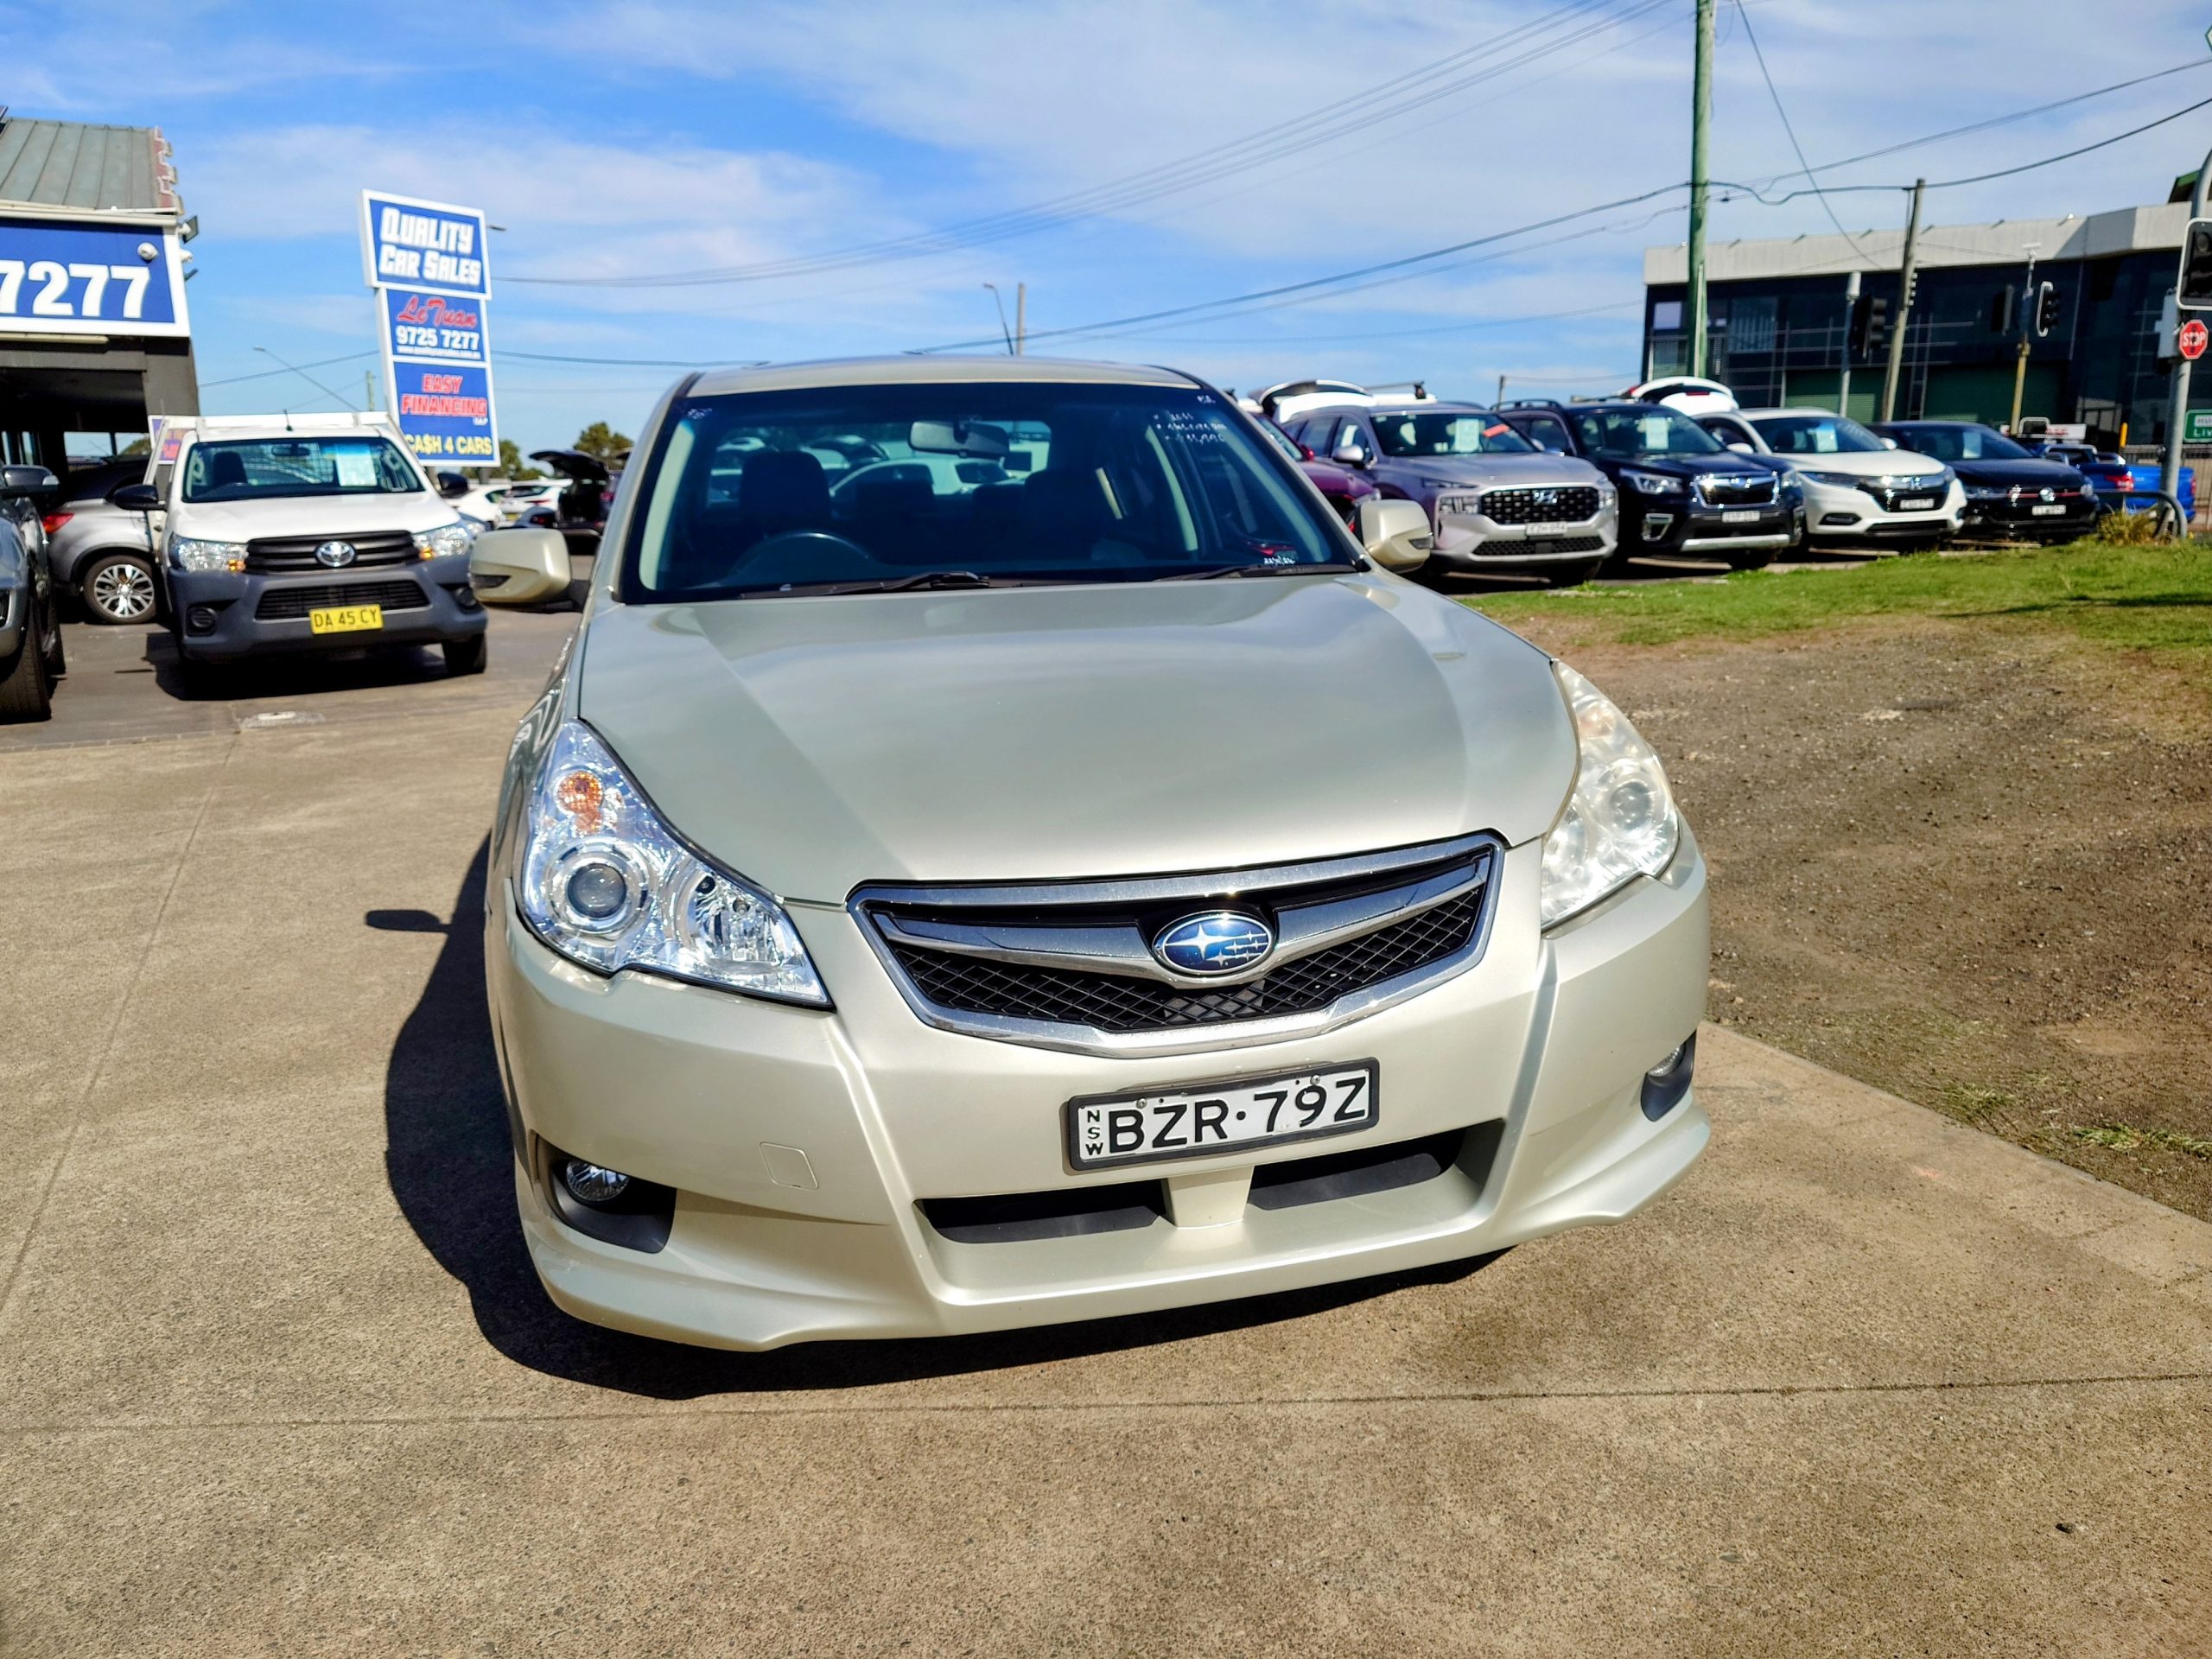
276,1378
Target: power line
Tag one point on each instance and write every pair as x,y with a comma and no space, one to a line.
1270,145
1783,115
267,374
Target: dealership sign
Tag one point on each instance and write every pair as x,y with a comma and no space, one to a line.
425,260
83,277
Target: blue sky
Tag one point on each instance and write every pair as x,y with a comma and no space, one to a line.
661,137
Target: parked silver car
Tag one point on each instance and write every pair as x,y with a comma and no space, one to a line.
1497,500
1101,890
103,558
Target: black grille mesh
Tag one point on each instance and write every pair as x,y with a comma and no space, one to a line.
1507,551
1120,1002
1569,505
1758,492
297,552
296,600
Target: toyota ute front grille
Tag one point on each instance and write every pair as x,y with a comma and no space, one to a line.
296,599
1567,505
1072,965
370,547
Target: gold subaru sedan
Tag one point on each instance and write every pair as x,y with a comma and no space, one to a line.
1000,849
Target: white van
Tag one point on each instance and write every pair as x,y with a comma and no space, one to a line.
305,532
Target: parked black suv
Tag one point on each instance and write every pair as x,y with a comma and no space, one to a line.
2010,491
1682,490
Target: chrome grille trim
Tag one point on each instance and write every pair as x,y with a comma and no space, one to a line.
1474,866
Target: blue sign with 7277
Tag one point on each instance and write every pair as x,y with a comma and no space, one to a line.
58,277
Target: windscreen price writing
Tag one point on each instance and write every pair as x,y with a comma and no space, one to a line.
48,288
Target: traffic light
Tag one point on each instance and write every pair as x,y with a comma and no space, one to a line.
2193,289
2046,308
1870,327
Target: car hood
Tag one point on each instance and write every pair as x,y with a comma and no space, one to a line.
1051,734
1330,478
2025,475
1491,471
309,515
1869,463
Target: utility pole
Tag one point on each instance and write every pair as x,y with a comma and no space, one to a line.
1021,317
2025,313
1850,310
1501,393
369,390
1905,304
1700,118
2178,413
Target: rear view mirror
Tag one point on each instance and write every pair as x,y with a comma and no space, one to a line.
973,438
1742,448
1889,443
1396,533
519,566
26,480
136,498
1351,453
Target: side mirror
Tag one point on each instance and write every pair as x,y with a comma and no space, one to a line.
453,485
1351,453
1889,443
519,566
1742,448
1396,533
136,498
27,479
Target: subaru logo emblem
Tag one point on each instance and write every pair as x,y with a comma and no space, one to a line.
1215,941
334,554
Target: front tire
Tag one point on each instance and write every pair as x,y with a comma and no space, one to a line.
117,589
26,693
468,656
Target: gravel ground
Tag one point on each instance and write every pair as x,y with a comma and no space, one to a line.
1969,867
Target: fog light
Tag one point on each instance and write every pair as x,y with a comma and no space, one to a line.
593,1182
1656,524
200,619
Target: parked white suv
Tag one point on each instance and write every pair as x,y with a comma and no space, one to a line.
290,533
1858,487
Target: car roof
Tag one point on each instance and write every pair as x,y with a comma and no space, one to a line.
1436,407
916,368
1761,413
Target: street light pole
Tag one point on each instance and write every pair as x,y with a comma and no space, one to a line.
1843,380
2025,315
2178,413
1020,318
1700,118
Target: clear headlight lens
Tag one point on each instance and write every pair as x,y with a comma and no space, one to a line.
1620,823
444,542
1651,483
604,883
189,553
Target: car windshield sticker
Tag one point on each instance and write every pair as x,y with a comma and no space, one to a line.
357,467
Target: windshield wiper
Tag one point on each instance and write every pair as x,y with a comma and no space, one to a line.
1300,567
883,584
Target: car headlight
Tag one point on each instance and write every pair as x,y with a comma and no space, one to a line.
444,542
190,553
1620,822
1839,480
2090,487
604,883
1650,483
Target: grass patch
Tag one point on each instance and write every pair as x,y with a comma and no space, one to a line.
1964,1101
2123,1137
2155,597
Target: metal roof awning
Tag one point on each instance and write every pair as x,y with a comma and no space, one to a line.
69,167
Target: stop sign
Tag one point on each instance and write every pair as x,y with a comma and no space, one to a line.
2192,338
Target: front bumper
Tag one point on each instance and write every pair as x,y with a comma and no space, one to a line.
2018,520
802,1144
218,615
1661,525
1840,512
1475,541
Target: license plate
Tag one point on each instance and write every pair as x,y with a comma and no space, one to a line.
345,618
2050,512
1918,504
1537,531
1740,516
1226,1117
1457,506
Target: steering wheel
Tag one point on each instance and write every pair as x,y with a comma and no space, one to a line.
803,553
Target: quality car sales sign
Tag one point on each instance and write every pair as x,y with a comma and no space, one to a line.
425,260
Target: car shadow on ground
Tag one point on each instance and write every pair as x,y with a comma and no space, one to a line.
306,674
448,1157
1476,585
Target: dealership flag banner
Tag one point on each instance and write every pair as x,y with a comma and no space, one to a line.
425,261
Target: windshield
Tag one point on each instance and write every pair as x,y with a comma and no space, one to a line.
1460,432
1625,433
1961,443
1281,440
263,469
976,483
1816,435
